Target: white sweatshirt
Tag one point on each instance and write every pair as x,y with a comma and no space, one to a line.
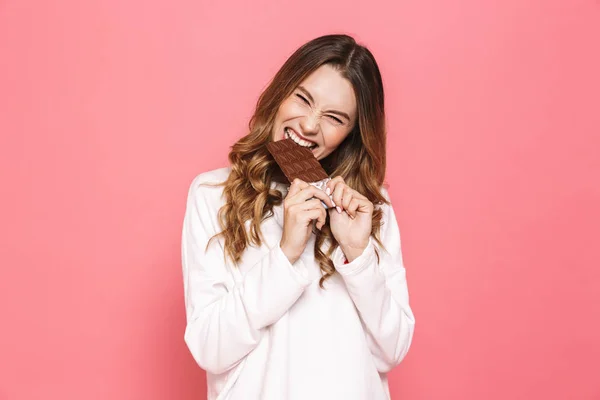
266,330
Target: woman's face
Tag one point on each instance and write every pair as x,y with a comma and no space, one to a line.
319,113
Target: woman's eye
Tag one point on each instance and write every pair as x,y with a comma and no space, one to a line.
303,99
339,121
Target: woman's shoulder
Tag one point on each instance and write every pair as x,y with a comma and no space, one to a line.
384,192
385,206
213,176
207,184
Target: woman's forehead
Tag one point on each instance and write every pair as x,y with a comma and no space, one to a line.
329,89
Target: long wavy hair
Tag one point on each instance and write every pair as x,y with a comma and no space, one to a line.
360,159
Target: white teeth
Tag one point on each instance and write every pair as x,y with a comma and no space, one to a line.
290,134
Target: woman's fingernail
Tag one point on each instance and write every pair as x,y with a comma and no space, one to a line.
339,210
328,191
333,202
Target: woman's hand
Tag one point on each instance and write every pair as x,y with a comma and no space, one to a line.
299,214
351,220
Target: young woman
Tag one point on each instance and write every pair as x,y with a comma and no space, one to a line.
286,299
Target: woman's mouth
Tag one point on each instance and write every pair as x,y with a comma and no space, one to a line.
290,134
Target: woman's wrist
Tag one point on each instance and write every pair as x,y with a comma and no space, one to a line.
292,258
352,252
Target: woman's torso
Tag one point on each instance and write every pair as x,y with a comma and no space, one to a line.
317,350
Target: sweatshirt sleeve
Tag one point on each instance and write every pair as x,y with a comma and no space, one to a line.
380,294
226,319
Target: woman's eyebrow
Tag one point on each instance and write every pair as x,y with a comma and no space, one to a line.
307,93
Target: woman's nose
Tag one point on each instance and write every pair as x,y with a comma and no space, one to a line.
310,124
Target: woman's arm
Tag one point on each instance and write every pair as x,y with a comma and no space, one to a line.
225,321
380,294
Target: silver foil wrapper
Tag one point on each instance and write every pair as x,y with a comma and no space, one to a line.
322,185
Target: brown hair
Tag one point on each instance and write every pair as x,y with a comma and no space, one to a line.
360,159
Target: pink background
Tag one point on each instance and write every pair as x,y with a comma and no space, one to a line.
108,109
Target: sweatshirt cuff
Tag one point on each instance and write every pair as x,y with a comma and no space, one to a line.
361,262
297,270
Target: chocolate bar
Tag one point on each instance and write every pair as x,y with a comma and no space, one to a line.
297,161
